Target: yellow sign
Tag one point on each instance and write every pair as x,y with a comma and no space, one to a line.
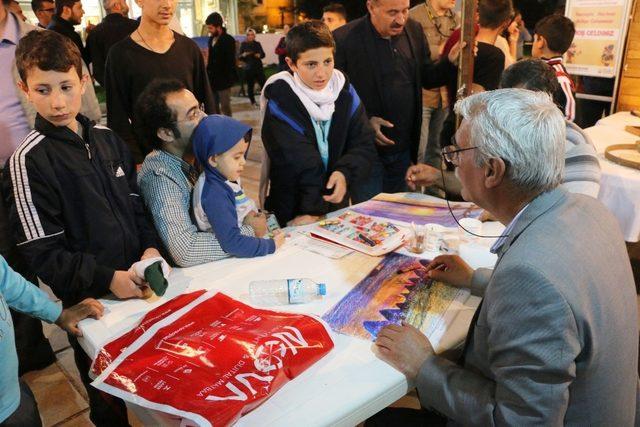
600,31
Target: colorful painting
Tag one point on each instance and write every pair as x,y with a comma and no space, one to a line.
416,213
360,228
396,289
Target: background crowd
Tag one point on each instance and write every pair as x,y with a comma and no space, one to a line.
357,108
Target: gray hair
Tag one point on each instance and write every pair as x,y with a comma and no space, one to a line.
524,128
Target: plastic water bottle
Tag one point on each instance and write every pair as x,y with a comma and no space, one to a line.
285,291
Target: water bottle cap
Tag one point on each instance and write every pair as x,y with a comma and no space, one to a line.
322,289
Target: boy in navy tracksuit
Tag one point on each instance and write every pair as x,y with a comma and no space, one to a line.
220,144
72,195
315,130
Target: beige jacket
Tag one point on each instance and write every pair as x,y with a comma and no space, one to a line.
436,37
90,106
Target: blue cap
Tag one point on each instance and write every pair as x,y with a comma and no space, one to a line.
322,289
216,134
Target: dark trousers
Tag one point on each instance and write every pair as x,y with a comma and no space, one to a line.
589,112
27,414
253,77
105,410
241,81
405,417
387,175
222,102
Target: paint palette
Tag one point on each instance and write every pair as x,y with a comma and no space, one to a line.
370,235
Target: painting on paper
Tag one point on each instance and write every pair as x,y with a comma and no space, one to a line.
418,214
396,289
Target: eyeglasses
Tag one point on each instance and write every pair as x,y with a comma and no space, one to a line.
451,152
48,10
194,114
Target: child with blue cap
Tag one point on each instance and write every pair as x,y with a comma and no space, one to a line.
220,144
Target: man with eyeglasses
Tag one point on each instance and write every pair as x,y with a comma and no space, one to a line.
582,169
166,115
44,11
555,338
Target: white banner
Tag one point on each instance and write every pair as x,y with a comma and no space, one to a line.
601,28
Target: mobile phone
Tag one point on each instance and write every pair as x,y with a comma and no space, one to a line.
272,222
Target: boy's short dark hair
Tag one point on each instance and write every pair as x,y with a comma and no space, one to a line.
152,112
306,36
336,8
48,51
558,31
60,4
532,74
214,19
494,13
36,5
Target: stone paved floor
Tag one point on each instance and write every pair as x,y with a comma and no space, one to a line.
61,397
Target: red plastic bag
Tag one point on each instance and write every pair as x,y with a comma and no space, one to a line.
109,352
212,359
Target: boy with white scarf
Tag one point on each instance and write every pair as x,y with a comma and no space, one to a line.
315,130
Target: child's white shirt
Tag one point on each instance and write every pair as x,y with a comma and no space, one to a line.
244,204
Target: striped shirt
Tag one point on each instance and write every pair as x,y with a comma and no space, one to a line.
581,165
166,190
564,97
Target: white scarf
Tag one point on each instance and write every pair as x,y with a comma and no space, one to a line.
320,104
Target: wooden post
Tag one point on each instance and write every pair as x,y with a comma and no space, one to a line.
465,64
468,35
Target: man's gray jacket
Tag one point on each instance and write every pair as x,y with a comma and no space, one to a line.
556,338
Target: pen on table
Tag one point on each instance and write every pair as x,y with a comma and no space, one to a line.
367,240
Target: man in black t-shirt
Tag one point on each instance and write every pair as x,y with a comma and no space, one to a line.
152,51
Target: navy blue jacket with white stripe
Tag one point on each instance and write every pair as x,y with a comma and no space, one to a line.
297,175
74,208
